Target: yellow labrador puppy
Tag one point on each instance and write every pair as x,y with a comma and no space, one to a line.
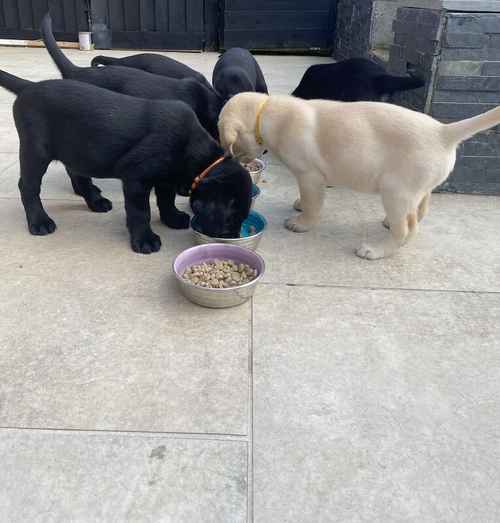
367,146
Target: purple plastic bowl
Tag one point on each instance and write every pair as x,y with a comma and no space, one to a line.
217,298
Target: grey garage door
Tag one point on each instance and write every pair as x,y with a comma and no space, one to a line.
180,24
20,19
153,24
279,24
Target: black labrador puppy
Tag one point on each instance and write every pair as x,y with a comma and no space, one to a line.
155,64
144,143
353,80
134,82
237,71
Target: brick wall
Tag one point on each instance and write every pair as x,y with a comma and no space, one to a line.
384,13
416,45
459,54
352,36
467,84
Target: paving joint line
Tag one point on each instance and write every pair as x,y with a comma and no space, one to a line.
250,468
371,288
210,436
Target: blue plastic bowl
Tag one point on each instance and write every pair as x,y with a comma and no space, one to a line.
254,224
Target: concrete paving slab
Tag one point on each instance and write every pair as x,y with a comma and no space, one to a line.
454,250
87,250
82,477
9,142
376,406
7,160
97,337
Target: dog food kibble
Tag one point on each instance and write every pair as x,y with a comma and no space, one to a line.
253,166
219,274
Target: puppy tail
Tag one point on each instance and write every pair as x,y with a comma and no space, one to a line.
102,60
388,84
13,83
455,133
62,63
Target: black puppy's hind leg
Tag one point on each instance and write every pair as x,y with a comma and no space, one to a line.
84,187
33,167
142,238
169,214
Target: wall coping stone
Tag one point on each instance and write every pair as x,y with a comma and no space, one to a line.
477,6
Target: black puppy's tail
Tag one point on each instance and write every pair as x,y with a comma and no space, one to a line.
13,83
103,60
62,63
388,84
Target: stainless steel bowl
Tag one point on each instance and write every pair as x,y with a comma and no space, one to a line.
217,298
249,242
256,173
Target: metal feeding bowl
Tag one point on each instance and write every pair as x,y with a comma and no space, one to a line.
217,298
256,168
251,232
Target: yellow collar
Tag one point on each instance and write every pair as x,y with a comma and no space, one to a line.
258,135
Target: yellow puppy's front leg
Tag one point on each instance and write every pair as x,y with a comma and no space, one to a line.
312,191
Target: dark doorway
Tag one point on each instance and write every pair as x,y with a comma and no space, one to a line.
295,25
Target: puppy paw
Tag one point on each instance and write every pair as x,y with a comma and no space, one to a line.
297,205
368,252
176,220
42,227
295,224
386,224
100,205
146,243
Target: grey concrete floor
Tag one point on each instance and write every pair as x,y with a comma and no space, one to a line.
347,390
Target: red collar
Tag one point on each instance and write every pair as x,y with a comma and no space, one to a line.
200,177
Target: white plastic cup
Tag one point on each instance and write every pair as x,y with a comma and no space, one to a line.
84,39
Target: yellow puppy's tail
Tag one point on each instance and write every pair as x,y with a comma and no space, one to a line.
457,132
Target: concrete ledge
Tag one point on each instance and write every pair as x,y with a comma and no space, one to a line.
36,43
486,6
491,6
